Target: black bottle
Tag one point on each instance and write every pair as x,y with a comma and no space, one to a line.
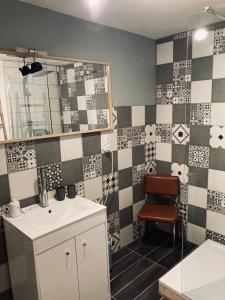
71,191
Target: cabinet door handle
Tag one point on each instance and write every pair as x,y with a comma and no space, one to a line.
84,243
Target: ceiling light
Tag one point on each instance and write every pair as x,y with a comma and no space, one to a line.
92,2
200,34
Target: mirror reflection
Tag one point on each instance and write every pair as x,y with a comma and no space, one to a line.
41,96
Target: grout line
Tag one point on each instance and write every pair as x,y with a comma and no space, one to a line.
136,298
156,261
145,290
122,257
132,280
139,275
141,257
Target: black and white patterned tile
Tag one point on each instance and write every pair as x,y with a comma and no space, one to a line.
182,82
91,102
114,223
150,152
163,133
114,117
53,175
219,41
199,156
217,237
150,167
181,134
92,166
164,93
138,173
20,156
216,201
180,170
138,135
124,137
183,193
200,114
115,242
139,229
217,137
150,133
110,183
80,188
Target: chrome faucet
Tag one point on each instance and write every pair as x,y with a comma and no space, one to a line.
43,195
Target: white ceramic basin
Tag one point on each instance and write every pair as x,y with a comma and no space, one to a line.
36,221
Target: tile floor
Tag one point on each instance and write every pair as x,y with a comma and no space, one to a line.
136,269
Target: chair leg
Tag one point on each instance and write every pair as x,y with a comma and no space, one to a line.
174,235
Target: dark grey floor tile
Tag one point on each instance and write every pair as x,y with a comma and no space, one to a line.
47,151
174,257
124,263
170,260
91,143
161,251
150,242
150,293
141,283
129,275
120,254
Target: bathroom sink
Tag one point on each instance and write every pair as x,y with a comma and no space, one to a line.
36,221
56,212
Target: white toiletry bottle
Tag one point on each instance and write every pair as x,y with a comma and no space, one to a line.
14,207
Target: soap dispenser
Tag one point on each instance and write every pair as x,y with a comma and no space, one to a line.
14,207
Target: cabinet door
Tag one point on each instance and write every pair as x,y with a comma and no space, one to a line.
57,272
92,261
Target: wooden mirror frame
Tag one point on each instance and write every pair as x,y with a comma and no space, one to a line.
69,59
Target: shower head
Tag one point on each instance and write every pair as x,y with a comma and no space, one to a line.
210,10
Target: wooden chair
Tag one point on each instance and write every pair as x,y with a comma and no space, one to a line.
167,186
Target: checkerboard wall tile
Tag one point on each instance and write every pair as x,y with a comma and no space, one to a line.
196,93
85,160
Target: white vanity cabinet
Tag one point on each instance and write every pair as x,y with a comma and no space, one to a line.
70,263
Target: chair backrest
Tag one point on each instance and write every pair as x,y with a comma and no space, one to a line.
162,185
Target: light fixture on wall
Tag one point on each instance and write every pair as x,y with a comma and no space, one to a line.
202,32
35,67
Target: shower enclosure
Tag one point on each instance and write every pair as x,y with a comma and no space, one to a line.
202,85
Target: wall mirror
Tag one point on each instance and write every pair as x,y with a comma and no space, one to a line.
52,97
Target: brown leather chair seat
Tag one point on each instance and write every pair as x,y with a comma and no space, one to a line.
158,213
